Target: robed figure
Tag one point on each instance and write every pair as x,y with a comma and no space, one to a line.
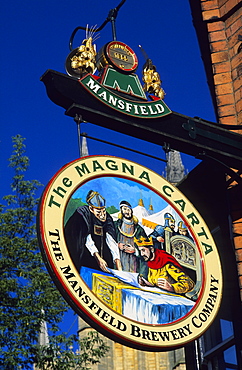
90,236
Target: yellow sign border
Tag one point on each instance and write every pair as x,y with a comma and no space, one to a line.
119,328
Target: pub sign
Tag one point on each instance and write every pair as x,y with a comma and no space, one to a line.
129,253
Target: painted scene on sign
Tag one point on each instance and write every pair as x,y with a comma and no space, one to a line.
133,250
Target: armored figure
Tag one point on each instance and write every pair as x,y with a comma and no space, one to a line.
162,233
127,230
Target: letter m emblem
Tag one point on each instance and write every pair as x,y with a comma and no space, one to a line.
129,84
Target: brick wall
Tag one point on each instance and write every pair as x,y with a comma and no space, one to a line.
238,249
224,25
223,20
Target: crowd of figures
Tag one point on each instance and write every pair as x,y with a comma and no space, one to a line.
96,241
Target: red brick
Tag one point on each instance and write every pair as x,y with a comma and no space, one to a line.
239,70
222,10
238,255
233,40
240,281
239,267
237,74
231,53
237,95
224,89
237,84
234,74
221,67
239,121
236,26
221,2
222,78
226,110
215,26
228,32
228,6
236,60
235,46
209,4
233,18
225,99
218,46
221,56
210,14
237,227
231,120
238,106
217,36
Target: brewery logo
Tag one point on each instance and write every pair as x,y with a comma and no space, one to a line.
109,75
120,56
130,253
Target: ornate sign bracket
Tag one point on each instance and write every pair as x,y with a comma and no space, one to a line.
112,15
193,136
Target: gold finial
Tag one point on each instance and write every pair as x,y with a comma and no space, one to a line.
151,207
141,203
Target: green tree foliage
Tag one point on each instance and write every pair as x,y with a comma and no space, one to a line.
73,204
27,295
59,354
112,209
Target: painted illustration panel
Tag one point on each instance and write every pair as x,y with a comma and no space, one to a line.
133,250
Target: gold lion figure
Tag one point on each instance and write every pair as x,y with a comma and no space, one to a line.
152,81
84,60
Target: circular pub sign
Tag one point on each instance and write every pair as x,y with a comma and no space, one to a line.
130,253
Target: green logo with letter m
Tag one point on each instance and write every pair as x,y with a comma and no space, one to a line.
129,84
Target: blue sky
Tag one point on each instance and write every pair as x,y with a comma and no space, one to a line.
114,190
34,38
